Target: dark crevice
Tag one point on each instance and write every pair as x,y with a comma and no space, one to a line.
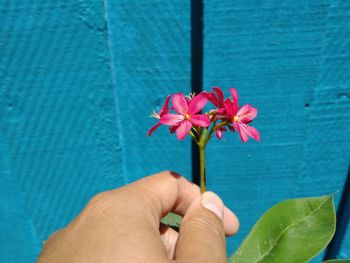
343,217
196,69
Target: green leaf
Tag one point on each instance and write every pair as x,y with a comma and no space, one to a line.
337,261
172,220
295,230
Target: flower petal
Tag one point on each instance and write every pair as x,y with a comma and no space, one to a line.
220,94
172,129
153,128
222,111
201,120
180,103
165,107
171,119
242,131
212,98
218,133
252,132
246,130
247,113
234,95
197,103
183,129
229,108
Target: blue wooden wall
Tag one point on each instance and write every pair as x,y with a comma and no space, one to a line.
78,80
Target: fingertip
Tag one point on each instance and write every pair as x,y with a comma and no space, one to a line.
203,226
231,222
212,202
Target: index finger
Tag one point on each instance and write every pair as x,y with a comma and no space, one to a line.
168,192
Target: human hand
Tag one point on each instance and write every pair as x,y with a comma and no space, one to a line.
123,225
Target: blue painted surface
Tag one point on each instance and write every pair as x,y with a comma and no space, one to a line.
150,54
57,114
78,80
290,59
16,228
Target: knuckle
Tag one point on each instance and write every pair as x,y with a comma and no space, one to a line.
100,198
100,202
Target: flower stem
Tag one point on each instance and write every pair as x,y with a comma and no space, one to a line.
202,168
201,142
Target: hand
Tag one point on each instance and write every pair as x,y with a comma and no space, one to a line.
123,225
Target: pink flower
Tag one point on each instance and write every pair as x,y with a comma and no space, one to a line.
240,117
219,131
187,114
216,97
164,110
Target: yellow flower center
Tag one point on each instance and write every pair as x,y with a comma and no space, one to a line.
235,119
187,116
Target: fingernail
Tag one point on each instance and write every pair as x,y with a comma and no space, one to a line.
213,203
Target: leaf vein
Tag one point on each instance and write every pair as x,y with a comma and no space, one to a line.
289,227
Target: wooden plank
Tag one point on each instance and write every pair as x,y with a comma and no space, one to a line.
334,89
277,54
57,110
149,43
16,226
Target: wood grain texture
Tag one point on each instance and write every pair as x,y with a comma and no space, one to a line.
290,60
78,80
334,96
17,228
57,113
150,48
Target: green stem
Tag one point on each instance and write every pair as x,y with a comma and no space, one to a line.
212,130
201,142
202,168
194,137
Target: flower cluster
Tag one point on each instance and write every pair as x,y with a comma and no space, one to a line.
187,118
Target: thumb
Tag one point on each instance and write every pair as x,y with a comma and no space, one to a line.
202,238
